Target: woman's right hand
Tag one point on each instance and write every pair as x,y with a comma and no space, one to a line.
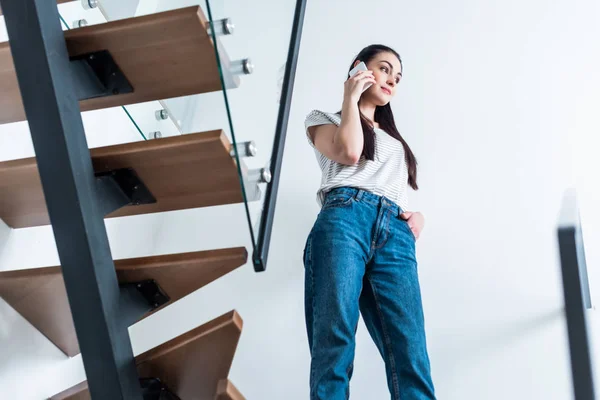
353,88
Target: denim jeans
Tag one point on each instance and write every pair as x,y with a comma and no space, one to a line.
360,256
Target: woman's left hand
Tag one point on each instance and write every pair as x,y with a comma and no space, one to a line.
416,222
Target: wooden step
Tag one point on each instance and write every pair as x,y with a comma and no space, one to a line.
39,294
191,365
58,1
182,172
227,391
163,55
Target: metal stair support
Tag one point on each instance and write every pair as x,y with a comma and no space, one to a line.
51,106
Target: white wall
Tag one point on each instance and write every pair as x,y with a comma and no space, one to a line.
491,94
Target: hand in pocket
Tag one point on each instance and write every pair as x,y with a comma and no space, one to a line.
416,222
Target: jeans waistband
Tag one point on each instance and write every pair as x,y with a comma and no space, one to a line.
367,197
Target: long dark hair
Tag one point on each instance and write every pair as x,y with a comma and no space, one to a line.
385,117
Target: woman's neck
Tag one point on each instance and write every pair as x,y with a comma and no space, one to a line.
368,110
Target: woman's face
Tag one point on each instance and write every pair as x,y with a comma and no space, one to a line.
387,71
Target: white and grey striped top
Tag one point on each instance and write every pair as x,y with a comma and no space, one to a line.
386,175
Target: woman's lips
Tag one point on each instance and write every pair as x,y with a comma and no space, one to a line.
386,90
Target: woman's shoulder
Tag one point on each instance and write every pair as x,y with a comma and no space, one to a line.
318,117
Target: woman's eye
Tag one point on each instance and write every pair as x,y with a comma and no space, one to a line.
384,69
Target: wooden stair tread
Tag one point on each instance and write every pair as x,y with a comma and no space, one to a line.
39,294
182,172
58,1
78,392
227,391
191,365
163,55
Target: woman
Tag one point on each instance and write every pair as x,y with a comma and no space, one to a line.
360,254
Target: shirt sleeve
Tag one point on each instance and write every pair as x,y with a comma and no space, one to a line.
316,118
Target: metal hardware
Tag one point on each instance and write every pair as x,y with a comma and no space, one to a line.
80,23
161,114
222,27
120,188
244,149
154,389
97,75
153,294
155,135
89,4
241,67
139,298
262,175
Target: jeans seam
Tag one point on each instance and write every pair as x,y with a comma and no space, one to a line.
333,204
387,342
330,202
385,232
309,265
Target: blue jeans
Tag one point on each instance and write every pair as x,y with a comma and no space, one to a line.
360,256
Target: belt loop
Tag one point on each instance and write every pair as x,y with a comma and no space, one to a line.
359,194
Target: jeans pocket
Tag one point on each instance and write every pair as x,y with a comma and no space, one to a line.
337,200
407,227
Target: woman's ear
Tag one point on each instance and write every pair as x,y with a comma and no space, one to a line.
356,63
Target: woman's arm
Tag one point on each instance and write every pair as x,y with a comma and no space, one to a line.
344,143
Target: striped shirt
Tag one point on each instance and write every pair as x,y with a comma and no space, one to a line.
386,175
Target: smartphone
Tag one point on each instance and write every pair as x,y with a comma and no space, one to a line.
360,67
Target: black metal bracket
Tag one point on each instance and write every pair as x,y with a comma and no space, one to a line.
154,389
152,293
98,75
121,187
139,298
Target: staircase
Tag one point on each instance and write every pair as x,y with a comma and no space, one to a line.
177,363
155,163
85,305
